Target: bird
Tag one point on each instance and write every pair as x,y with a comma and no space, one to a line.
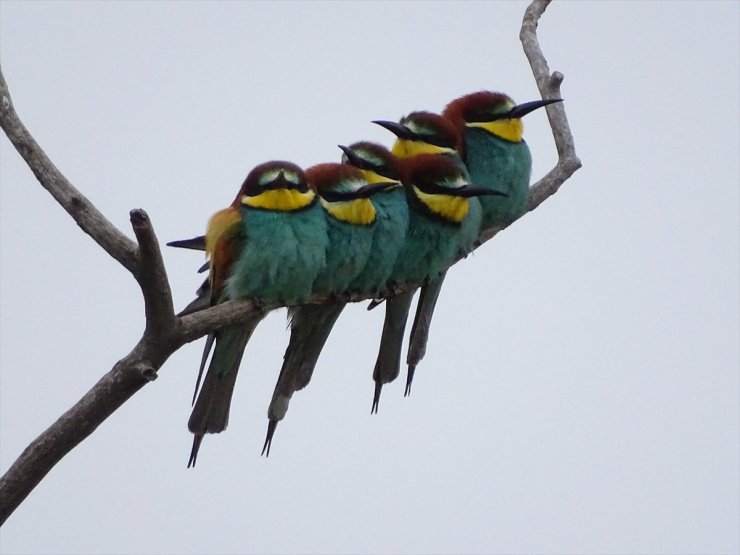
438,195
493,149
270,245
423,132
350,217
378,165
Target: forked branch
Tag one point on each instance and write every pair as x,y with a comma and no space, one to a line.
165,332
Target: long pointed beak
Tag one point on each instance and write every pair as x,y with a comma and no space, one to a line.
363,192
521,110
352,158
394,127
196,243
369,190
467,191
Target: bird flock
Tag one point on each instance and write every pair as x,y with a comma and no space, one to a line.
371,226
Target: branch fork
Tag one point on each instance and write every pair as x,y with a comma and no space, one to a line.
165,332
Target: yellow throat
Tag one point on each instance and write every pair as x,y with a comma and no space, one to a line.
356,212
509,129
452,209
404,148
280,200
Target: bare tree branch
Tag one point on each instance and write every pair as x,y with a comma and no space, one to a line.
549,86
152,277
89,218
165,332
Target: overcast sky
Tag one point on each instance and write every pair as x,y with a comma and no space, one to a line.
580,389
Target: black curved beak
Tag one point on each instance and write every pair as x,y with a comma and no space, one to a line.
196,243
363,192
369,190
521,110
467,191
352,158
396,128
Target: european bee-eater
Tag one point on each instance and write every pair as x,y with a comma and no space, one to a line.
350,219
438,194
271,245
418,133
494,150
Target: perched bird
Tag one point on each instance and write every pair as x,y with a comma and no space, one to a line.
378,165
350,221
438,195
418,133
493,149
271,245
495,155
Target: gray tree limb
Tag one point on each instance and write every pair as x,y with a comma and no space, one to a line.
164,331
89,218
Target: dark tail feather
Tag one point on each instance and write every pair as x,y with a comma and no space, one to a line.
206,351
311,325
310,328
211,411
376,398
268,439
197,439
420,330
409,379
201,301
388,363
196,243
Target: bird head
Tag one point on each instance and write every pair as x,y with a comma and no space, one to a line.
439,185
422,133
495,112
344,192
276,185
375,161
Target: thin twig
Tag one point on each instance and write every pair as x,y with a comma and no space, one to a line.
549,87
87,216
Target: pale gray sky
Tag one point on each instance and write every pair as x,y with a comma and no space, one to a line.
580,390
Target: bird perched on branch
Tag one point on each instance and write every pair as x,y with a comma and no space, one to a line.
350,223
489,131
418,133
494,150
270,245
438,194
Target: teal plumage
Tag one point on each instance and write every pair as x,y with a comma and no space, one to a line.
392,214
494,150
349,242
351,223
423,132
283,256
489,138
438,197
504,164
270,244
378,165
